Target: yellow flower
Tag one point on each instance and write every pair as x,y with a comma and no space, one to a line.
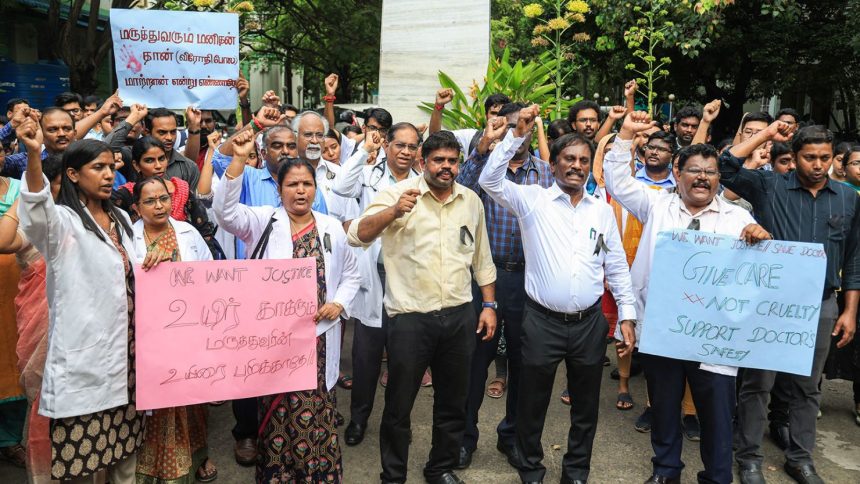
577,6
540,29
243,7
474,90
532,10
203,3
539,42
558,23
581,37
576,17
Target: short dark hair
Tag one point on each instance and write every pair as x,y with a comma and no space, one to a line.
790,112
703,150
495,99
438,141
687,112
333,135
289,107
142,145
68,97
115,114
55,109
138,186
156,113
665,137
10,104
382,116
285,164
52,166
778,149
351,128
511,108
853,148
91,100
811,135
566,140
724,144
579,106
397,127
558,128
842,148
757,116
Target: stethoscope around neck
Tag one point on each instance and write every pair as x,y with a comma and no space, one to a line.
375,177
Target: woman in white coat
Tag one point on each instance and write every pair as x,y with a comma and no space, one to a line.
174,444
298,435
88,381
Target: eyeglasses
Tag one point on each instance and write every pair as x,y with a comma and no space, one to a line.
150,202
73,111
373,128
696,172
658,149
401,146
312,136
751,132
586,120
853,163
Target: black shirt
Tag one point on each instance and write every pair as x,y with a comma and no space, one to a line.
789,212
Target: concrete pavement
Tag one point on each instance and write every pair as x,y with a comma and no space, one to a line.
621,455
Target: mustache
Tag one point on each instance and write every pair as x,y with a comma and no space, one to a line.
445,170
313,147
574,171
702,184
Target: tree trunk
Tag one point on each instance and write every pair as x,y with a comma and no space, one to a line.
288,78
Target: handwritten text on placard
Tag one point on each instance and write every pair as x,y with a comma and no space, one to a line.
223,330
715,299
176,59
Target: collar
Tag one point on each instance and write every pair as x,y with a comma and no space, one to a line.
642,174
792,183
555,192
424,188
266,173
716,205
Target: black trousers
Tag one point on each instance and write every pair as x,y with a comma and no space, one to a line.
804,398
714,396
368,345
245,413
547,341
443,340
511,295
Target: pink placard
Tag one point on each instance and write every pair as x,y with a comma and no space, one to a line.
224,330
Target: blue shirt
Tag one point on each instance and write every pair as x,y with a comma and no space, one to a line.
259,189
16,163
506,242
642,176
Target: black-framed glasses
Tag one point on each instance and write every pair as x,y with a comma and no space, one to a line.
696,172
150,202
658,149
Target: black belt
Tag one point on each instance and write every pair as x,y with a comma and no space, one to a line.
574,317
511,266
827,294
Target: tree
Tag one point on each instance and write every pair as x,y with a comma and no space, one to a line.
83,51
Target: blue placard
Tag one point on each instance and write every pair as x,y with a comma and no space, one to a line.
712,298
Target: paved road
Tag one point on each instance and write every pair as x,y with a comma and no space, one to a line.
621,455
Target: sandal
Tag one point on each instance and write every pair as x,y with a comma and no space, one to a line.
427,379
207,471
565,397
624,402
15,454
496,388
345,382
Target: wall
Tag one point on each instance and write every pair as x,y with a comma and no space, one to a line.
419,39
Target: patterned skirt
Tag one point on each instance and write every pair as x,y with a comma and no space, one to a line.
174,445
299,442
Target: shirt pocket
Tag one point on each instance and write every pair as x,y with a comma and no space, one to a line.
836,228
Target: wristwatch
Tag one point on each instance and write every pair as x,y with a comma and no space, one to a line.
194,131
490,305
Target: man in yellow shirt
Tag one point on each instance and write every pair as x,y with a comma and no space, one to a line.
434,241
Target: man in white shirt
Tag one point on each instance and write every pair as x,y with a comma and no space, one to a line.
694,205
470,139
358,180
571,245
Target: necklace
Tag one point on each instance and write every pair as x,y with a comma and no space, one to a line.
149,239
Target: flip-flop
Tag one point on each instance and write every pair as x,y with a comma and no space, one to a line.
203,475
345,382
565,397
496,388
624,402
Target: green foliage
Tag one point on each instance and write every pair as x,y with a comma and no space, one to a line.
529,83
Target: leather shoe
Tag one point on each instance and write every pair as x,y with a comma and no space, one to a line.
803,474
446,478
532,482
572,481
465,459
780,435
751,474
510,452
354,433
246,452
655,479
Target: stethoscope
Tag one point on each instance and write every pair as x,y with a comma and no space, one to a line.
375,177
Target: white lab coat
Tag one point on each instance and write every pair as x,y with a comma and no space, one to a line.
357,179
86,369
342,279
191,245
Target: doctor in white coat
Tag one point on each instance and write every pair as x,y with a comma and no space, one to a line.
294,230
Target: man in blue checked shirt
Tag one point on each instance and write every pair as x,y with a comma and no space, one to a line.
507,248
